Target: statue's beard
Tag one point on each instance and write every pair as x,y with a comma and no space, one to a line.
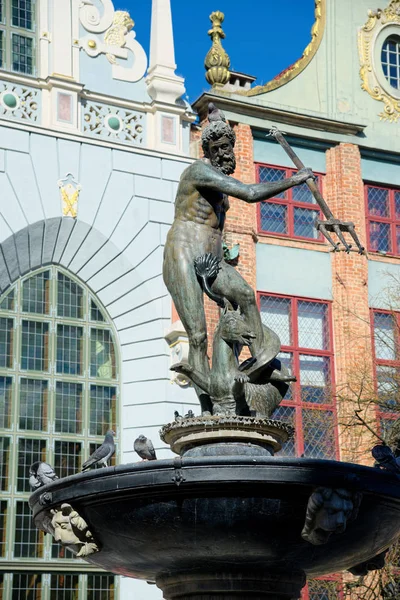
226,163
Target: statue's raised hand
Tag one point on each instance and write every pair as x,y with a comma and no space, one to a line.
304,174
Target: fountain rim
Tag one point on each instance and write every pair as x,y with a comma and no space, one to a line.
198,472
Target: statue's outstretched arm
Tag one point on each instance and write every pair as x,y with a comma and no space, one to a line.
209,178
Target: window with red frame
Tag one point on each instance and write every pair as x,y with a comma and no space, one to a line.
383,213
386,328
304,328
291,213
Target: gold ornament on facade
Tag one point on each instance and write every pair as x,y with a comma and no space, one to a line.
217,62
317,33
70,190
115,35
367,36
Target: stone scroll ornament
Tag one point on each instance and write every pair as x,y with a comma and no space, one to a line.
71,530
328,512
111,33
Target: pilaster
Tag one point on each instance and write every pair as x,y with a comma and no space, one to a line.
351,318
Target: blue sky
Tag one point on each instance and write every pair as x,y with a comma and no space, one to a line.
260,39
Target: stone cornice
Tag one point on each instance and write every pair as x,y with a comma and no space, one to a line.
46,566
242,106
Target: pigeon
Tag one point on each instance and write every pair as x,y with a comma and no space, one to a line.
144,448
215,114
177,416
385,459
103,453
189,414
41,473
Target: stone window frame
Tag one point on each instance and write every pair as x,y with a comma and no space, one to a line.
8,30
391,220
290,205
16,474
296,403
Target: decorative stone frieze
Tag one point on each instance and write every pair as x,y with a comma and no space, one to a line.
107,122
19,102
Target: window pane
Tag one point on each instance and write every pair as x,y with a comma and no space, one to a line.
397,203
379,236
68,407
35,294
64,586
286,359
29,451
268,174
302,193
313,325
69,349
22,54
102,356
67,458
273,217
315,379
21,11
5,402
102,409
34,351
384,336
8,302
100,587
286,414
26,586
33,404
6,342
323,590
95,312
69,298
388,380
28,541
319,434
378,202
4,462
276,314
3,528
304,220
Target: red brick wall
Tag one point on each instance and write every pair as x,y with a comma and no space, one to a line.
351,327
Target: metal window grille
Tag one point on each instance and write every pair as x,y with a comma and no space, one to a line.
291,213
18,36
34,352
6,388
390,59
64,586
100,587
304,327
47,408
28,541
383,217
6,342
26,586
323,589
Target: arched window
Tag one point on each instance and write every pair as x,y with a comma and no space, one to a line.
391,60
59,382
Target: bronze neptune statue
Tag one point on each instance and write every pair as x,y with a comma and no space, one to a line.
200,209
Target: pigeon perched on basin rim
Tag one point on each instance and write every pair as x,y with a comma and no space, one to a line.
103,453
144,448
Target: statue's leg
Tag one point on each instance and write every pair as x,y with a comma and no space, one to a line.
235,288
188,299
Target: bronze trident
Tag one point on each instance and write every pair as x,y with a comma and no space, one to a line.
331,224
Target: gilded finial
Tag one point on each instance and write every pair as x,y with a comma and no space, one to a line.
217,62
